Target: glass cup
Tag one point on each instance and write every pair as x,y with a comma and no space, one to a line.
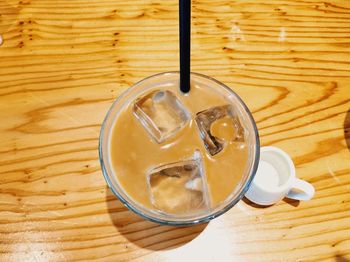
171,79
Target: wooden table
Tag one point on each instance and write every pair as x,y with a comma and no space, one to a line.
64,62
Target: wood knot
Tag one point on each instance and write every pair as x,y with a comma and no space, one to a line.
334,85
227,49
28,171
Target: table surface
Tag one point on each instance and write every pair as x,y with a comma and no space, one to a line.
64,62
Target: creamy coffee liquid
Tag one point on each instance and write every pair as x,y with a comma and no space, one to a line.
133,152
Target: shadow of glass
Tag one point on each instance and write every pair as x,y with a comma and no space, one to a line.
347,129
146,234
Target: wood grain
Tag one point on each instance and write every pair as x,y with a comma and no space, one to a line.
64,62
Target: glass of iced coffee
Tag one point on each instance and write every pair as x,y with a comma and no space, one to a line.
179,159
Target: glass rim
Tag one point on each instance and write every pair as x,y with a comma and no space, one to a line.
203,219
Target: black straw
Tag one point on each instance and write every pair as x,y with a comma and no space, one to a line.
185,45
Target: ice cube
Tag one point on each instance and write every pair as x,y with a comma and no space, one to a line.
162,114
179,188
227,130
